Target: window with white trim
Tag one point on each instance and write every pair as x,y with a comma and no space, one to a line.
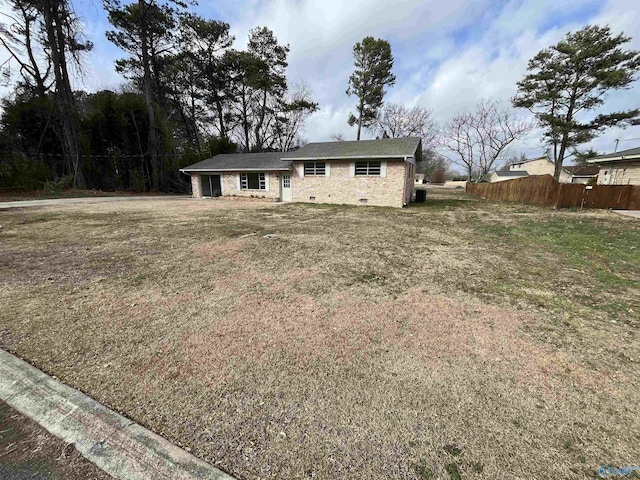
314,169
368,168
253,181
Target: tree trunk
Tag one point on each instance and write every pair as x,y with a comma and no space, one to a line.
41,88
192,122
245,122
565,135
152,140
223,132
263,111
56,38
189,127
558,163
360,108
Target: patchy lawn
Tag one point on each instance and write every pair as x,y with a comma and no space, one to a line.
457,338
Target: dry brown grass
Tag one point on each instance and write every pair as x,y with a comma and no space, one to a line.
349,343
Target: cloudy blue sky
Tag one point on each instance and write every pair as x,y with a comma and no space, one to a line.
448,54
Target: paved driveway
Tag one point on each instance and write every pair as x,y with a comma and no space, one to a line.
629,213
66,201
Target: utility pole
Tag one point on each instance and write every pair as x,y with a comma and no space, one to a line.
618,140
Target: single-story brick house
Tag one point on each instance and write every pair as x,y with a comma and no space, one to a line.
619,168
372,172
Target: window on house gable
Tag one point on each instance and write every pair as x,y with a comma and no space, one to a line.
368,168
253,181
314,169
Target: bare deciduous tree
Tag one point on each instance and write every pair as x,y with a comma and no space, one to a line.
22,37
430,161
64,45
480,138
295,109
396,121
44,37
510,160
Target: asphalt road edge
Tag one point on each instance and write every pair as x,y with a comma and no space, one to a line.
117,445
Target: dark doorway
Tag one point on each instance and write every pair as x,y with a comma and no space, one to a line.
211,186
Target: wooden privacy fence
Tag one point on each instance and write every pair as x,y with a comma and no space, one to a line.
544,190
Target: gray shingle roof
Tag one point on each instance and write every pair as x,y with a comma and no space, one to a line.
241,161
522,162
381,148
578,171
512,174
631,152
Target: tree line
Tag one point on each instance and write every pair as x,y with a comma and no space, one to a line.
563,86
188,95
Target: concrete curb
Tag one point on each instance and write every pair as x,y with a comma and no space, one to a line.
48,202
120,447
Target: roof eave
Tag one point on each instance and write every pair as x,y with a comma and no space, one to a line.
276,169
349,157
614,159
532,160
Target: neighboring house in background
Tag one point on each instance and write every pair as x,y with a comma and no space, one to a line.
619,168
540,166
506,175
372,172
544,166
583,174
419,177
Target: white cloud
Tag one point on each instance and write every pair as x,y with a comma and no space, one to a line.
449,54
322,35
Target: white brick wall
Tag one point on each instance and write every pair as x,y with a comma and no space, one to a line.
196,191
392,189
231,186
341,186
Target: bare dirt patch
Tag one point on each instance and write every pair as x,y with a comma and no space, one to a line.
296,341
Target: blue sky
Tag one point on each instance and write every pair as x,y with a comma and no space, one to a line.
448,54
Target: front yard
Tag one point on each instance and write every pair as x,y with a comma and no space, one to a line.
454,339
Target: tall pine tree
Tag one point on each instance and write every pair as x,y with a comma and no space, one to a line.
146,30
373,62
570,79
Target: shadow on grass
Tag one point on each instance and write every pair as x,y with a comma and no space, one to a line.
444,203
445,198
